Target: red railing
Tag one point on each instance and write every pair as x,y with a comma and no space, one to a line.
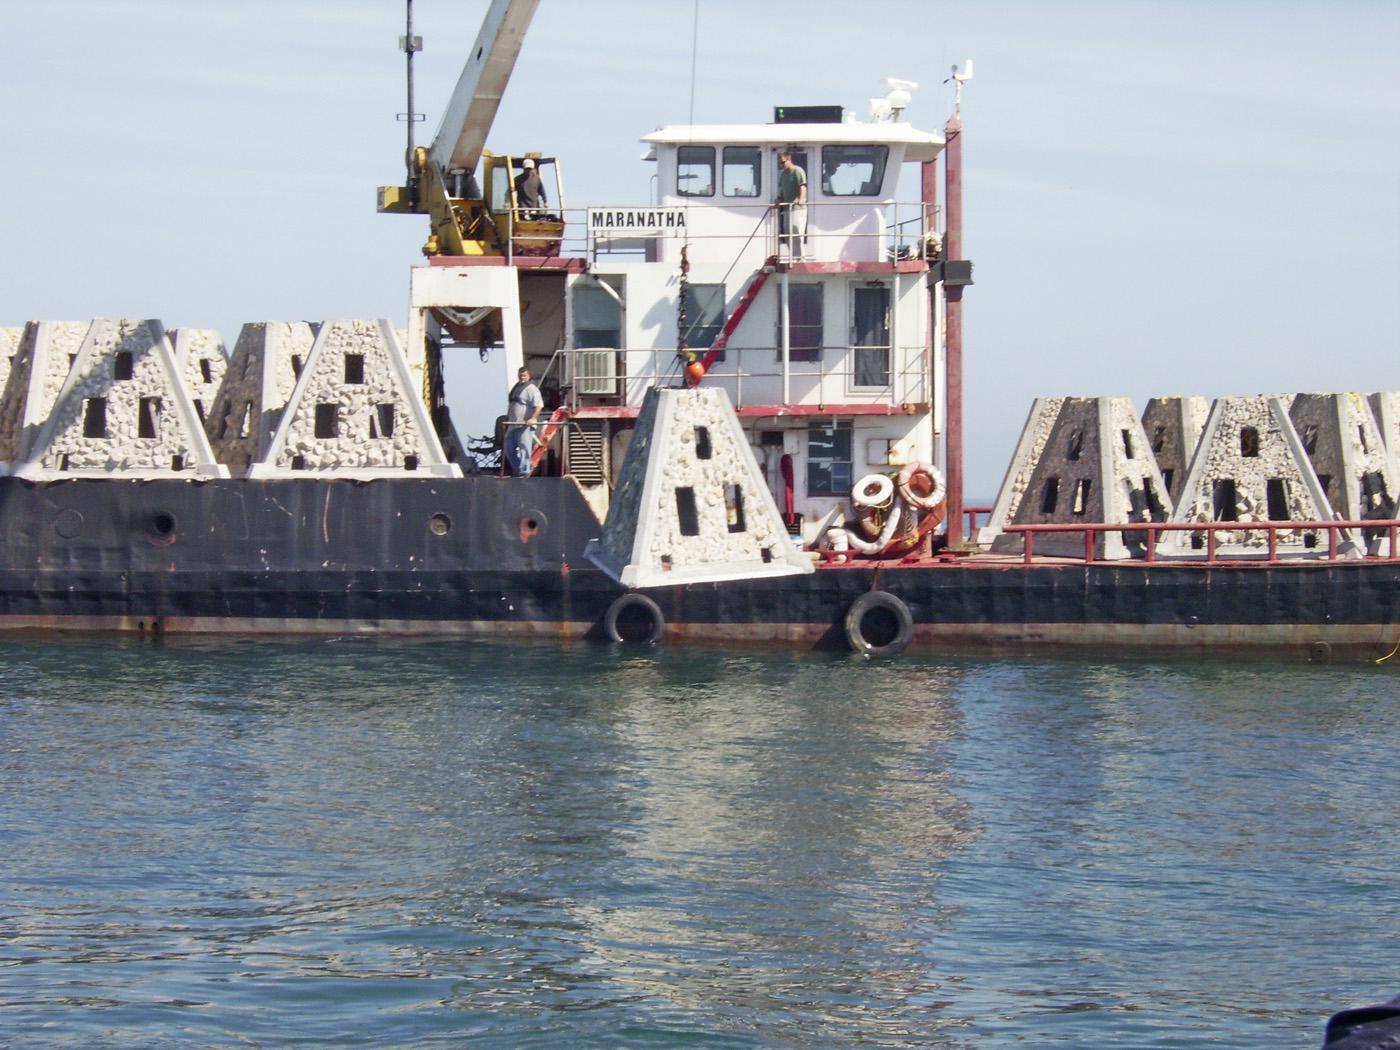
1212,529
972,514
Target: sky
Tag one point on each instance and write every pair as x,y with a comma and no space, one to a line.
1160,198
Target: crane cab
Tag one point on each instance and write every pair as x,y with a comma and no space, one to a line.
526,228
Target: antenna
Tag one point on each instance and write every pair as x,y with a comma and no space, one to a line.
410,45
959,79
891,107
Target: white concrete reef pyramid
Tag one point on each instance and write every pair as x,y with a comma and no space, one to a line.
203,361
1096,466
1386,408
1034,435
1173,426
122,411
355,412
10,340
38,366
692,505
1251,466
257,383
1355,469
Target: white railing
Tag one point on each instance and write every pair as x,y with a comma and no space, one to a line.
889,231
753,375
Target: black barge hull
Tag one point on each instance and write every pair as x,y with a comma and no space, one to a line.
493,556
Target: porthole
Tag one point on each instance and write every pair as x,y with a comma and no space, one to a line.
439,524
532,525
160,528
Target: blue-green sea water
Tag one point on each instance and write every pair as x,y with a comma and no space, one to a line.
354,843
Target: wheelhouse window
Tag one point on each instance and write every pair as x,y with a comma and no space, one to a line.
742,171
853,171
829,459
597,318
695,171
704,315
804,323
870,335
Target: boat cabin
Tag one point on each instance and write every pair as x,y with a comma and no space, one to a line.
820,322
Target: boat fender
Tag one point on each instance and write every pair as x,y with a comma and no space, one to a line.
928,477
856,626
647,608
873,490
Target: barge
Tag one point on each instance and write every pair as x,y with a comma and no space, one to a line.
752,432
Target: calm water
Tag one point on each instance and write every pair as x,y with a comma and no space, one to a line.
352,843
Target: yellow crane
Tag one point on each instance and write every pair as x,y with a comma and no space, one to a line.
441,178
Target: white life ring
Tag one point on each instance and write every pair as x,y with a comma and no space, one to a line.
873,490
929,478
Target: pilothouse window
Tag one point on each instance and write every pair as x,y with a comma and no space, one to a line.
695,171
853,171
742,171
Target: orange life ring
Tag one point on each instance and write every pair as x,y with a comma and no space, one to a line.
921,486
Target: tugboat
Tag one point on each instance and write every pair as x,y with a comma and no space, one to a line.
752,431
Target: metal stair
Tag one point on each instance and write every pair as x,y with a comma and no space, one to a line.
756,283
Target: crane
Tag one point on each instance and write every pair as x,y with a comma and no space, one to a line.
441,180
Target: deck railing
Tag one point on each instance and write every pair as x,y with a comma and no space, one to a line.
1152,530
887,231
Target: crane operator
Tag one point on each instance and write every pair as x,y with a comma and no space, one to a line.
529,190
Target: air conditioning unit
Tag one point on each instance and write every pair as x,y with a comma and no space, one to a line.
596,372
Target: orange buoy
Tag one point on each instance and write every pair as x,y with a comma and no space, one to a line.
694,372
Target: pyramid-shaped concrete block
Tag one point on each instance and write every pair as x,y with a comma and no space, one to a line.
1386,408
355,411
122,411
692,505
203,361
1096,467
9,347
1356,470
1251,466
38,368
1173,426
10,341
1034,435
257,384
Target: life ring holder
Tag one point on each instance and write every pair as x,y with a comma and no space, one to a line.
878,601
933,480
631,600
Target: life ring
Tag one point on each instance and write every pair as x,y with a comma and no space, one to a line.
870,639
648,608
873,490
927,477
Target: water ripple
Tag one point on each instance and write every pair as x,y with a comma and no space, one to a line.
362,843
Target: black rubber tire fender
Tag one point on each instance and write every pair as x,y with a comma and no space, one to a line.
868,602
627,601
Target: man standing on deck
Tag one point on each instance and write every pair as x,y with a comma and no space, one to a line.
792,204
525,405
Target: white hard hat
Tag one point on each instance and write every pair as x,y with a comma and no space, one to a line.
527,163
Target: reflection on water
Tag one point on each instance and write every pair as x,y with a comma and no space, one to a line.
425,844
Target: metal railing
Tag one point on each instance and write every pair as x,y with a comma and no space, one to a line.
753,373
885,231
1151,532
971,514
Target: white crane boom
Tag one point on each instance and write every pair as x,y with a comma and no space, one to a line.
472,108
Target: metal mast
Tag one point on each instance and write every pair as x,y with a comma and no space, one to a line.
410,45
